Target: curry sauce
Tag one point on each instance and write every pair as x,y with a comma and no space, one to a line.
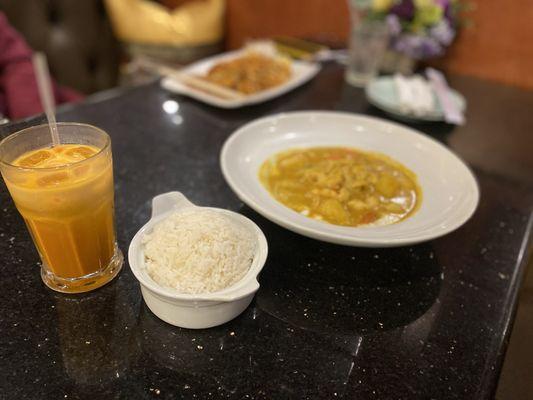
342,186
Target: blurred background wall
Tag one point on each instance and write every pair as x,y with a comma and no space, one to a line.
84,54
497,43
325,21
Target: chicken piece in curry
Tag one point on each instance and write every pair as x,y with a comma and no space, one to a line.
342,186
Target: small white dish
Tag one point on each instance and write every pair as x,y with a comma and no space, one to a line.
301,73
195,311
381,92
450,192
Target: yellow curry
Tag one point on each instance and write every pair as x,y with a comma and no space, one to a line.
342,186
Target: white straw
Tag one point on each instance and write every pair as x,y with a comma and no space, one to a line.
45,92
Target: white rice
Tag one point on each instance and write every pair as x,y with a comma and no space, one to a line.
198,251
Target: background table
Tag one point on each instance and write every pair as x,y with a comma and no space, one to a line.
427,321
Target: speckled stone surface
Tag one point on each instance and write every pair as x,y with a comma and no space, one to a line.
423,322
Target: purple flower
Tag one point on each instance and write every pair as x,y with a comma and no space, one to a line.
393,23
442,32
442,3
407,44
430,48
417,46
405,9
449,14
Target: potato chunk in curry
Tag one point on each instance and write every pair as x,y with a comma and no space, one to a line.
342,186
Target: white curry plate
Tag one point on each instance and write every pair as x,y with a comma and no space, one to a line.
450,192
301,73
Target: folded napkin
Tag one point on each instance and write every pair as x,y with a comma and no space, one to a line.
452,113
418,96
415,95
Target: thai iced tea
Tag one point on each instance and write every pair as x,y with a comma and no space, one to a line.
65,195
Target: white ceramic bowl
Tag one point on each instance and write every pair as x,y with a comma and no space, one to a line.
195,311
450,192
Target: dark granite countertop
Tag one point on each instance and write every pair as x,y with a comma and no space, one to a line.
424,322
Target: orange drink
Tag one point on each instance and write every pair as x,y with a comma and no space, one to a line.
65,195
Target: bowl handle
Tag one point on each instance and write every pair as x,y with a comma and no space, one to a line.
171,201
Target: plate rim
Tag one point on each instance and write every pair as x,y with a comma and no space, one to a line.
332,237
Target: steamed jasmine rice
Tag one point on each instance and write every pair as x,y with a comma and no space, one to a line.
198,251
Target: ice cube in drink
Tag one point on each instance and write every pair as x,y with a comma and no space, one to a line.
34,159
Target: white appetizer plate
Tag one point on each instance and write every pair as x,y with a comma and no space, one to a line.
449,190
301,73
381,92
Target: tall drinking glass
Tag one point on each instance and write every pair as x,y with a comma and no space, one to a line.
368,42
65,195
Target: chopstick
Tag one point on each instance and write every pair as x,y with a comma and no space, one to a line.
192,81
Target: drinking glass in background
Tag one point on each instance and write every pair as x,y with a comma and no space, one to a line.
65,195
368,41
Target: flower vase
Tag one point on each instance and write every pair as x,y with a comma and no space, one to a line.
395,62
